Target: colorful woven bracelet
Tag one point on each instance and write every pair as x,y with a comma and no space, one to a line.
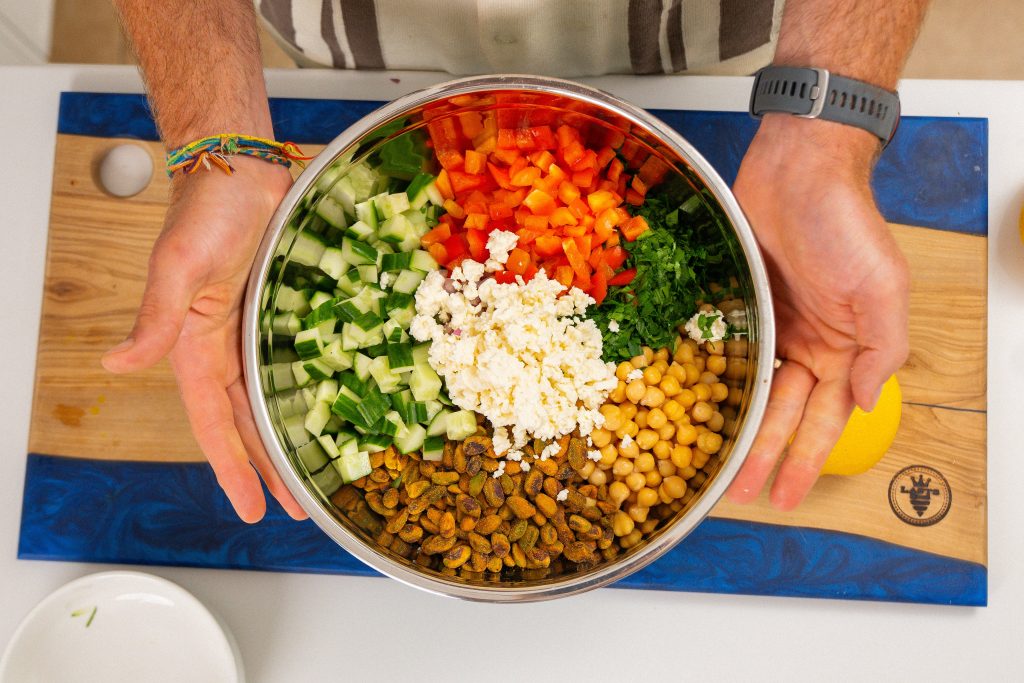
217,149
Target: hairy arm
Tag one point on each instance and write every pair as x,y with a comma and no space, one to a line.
839,281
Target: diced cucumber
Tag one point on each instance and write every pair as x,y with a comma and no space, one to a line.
286,324
347,405
307,249
421,353
334,264
401,261
433,408
358,252
368,273
372,443
349,283
330,448
373,407
412,440
292,300
413,412
331,211
433,448
347,444
334,424
386,380
327,390
367,215
395,229
417,190
401,307
361,365
421,261
400,358
408,281
318,299
439,425
316,419
295,429
302,377
395,419
352,467
309,344
393,332
344,194
424,383
281,377
392,204
461,425
317,369
336,357
327,480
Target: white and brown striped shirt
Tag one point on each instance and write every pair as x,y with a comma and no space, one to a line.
550,37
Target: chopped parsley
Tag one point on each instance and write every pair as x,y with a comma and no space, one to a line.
683,252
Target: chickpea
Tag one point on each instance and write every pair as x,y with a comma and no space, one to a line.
716,422
673,409
681,457
652,376
702,392
717,364
623,467
676,370
698,480
653,479
596,477
719,392
664,497
646,438
649,526
699,362
661,366
685,435
715,348
683,354
637,512
700,458
667,432
666,468
701,412
641,419
661,355
646,497
653,397
674,486
618,394
708,378
638,362
588,469
670,386
636,481
601,437
622,524
644,462
736,347
635,391
656,418
736,368
629,450
631,539
692,373
686,398
662,450
623,369
609,454
710,442
618,492
628,410
612,417
648,354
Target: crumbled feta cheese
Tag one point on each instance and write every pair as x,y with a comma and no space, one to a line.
704,327
627,441
514,455
500,471
472,270
524,466
519,358
594,455
385,280
562,495
500,441
550,451
613,325
634,375
499,244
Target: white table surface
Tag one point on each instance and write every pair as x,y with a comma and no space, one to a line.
294,627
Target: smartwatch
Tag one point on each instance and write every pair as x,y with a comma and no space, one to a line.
814,93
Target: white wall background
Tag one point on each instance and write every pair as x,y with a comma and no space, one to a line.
25,27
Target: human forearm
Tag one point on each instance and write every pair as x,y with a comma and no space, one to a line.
202,67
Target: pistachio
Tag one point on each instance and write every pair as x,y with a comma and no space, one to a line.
518,556
577,453
488,524
380,476
478,542
473,465
400,547
437,544
548,467
467,505
429,526
447,525
548,534
411,533
500,545
376,459
577,552
538,557
427,468
478,561
459,459
398,521
592,513
533,483
552,486
415,489
529,538
521,507
390,498
448,456
457,556
546,504
444,478
493,492
579,524
518,529
346,498
495,564
476,445
508,485
476,484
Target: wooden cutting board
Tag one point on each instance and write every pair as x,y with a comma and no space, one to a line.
95,271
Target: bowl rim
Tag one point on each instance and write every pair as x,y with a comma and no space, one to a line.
605,573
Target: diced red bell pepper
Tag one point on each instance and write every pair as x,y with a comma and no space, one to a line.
564,275
438,253
614,257
439,234
474,162
517,262
463,182
540,202
599,285
622,278
455,246
576,260
634,227
548,245
477,241
505,277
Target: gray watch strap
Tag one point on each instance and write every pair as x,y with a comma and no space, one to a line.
817,93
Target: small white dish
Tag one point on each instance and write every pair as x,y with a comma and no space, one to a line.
126,170
121,626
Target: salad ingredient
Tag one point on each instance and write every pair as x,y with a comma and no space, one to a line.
672,267
563,201
516,353
707,326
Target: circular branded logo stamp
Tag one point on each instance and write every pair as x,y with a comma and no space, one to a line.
919,495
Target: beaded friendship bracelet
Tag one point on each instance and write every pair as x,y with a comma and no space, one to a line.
217,149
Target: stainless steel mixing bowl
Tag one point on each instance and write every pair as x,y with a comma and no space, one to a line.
523,94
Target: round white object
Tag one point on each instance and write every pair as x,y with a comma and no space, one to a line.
121,626
126,170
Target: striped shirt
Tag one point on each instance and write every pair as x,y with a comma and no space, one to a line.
548,37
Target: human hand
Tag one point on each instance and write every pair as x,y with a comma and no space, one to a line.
192,310
841,291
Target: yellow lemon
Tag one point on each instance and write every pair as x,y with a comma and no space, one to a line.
867,436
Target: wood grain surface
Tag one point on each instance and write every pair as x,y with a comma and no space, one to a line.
95,271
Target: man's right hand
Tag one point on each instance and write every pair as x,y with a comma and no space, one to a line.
192,310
